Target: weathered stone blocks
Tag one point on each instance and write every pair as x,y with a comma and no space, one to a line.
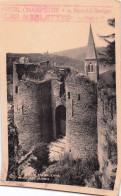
81,126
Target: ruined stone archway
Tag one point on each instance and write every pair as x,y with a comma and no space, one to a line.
60,117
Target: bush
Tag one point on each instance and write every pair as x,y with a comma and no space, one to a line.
73,172
41,154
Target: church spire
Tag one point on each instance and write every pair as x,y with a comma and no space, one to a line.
91,51
91,62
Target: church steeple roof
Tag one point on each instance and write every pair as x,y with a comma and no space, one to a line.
91,51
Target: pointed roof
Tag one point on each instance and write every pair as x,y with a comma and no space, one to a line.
91,51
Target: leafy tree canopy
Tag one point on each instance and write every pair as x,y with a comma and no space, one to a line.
108,55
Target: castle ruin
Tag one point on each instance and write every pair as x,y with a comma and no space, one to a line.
49,108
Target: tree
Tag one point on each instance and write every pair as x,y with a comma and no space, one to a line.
108,55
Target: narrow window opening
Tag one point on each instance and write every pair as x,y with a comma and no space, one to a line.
68,95
72,109
112,110
91,68
78,97
16,89
22,109
62,89
103,108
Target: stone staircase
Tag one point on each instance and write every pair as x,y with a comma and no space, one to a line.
57,149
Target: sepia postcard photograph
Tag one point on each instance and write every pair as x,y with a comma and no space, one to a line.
60,86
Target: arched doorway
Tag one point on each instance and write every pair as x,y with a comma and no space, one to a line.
60,116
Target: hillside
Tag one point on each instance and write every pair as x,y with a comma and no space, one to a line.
72,58
108,77
59,61
77,53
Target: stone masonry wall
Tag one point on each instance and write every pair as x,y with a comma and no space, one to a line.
107,136
81,127
57,99
32,111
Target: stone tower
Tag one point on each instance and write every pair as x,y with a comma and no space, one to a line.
81,118
32,105
91,62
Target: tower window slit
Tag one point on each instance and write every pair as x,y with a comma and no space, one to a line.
22,109
69,96
16,89
78,97
72,109
112,110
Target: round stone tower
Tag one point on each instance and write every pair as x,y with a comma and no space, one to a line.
81,117
32,107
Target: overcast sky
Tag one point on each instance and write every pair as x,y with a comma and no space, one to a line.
37,37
